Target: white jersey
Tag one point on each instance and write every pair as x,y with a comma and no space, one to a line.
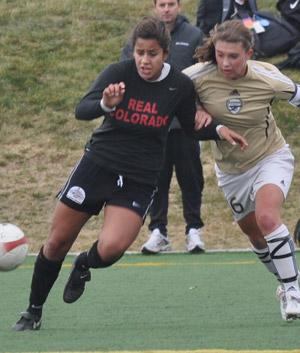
244,105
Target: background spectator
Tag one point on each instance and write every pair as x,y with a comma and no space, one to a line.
182,152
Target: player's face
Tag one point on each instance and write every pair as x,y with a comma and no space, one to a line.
149,58
232,59
167,10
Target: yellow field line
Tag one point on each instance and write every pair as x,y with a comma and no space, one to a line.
159,264
193,351
153,264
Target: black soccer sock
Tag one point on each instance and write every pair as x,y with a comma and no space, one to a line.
44,275
92,259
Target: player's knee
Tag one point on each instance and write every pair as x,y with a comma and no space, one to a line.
105,259
54,250
110,261
258,242
266,222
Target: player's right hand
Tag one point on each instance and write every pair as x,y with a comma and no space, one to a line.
113,94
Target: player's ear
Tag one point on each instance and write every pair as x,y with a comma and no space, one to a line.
166,53
250,53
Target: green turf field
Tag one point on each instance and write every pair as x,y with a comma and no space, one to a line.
220,302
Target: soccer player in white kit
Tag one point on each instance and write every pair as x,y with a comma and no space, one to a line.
239,92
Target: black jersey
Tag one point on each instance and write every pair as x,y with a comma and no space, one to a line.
131,139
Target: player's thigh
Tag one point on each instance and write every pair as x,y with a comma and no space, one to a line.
241,190
269,198
66,225
238,192
120,228
274,179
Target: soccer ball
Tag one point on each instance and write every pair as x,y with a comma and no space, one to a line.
13,246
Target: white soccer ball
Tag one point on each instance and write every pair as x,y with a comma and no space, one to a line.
13,246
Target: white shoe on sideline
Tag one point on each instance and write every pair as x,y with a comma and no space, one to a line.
194,243
156,243
289,303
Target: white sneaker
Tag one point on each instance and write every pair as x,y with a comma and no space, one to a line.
194,243
289,303
156,243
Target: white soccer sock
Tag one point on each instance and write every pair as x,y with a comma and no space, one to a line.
282,252
265,258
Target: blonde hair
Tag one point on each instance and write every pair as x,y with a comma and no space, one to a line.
232,31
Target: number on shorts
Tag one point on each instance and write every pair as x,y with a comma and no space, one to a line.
236,206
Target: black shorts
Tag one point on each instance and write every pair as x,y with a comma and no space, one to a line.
90,187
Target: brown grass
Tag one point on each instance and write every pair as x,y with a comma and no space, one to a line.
49,56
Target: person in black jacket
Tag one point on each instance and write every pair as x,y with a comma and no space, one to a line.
211,12
120,165
182,152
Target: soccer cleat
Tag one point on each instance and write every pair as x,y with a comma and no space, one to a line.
156,243
76,282
289,303
28,321
194,243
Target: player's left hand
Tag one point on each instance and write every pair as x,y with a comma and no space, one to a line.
233,137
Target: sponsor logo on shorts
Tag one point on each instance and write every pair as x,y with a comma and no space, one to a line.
234,105
136,204
76,194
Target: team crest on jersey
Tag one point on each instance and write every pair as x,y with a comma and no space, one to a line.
234,105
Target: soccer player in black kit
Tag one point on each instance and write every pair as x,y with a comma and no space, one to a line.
120,165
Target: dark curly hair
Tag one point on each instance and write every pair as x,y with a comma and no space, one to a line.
151,27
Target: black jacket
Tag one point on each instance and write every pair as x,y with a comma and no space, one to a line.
185,38
211,12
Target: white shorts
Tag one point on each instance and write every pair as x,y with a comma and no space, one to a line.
240,189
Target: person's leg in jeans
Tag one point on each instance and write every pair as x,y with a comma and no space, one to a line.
189,174
158,238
